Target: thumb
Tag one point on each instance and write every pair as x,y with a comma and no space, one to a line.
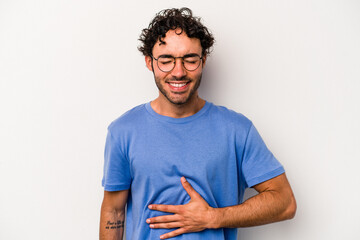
189,189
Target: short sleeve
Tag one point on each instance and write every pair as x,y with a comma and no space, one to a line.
258,163
116,167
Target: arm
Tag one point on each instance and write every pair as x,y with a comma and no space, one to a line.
112,216
275,202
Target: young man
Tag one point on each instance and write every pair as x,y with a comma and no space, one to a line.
180,163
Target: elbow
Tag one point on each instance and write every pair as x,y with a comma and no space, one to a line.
114,211
111,210
291,209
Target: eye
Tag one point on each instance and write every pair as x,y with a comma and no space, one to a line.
165,60
191,60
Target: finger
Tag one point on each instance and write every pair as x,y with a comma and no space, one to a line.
167,225
173,233
164,219
189,189
164,208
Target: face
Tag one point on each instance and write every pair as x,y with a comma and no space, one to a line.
179,86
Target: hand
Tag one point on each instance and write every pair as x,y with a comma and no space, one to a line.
194,216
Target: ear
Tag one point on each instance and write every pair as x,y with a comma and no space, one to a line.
148,61
203,61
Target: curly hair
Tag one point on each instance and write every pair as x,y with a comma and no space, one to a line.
171,19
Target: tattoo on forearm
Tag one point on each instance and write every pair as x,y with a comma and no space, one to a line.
114,225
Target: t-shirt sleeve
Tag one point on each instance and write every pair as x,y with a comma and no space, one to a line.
258,164
116,166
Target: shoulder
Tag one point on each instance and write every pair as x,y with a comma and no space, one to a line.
230,116
128,120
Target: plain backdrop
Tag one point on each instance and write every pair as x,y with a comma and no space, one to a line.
70,67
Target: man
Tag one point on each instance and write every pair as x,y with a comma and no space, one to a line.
180,163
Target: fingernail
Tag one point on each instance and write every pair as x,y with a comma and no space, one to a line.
151,225
183,179
161,237
148,220
150,206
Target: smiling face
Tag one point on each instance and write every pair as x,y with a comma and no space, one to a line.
179,86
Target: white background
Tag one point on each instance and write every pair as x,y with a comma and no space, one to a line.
68,68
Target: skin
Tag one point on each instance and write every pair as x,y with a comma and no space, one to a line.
171,102
274,202
113,211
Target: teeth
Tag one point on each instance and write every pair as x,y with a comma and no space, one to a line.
178,85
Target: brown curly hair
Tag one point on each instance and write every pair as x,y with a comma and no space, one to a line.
171,19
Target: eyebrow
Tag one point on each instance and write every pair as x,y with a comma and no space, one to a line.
166,56
186,55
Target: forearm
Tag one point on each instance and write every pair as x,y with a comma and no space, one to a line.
112,224
266,207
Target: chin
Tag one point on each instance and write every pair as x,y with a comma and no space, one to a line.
178,102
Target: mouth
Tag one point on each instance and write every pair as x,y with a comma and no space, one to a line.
178,86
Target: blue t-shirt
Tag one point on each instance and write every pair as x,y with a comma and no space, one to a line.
218,150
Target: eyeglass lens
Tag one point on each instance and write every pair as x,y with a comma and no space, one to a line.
167,64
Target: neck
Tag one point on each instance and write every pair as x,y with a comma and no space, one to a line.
163,107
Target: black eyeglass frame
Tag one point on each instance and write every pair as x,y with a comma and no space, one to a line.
186,56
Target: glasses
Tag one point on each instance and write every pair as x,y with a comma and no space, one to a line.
166,63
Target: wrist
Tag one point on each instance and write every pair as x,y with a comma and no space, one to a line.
215,216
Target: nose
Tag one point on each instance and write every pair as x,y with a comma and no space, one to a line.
179,71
